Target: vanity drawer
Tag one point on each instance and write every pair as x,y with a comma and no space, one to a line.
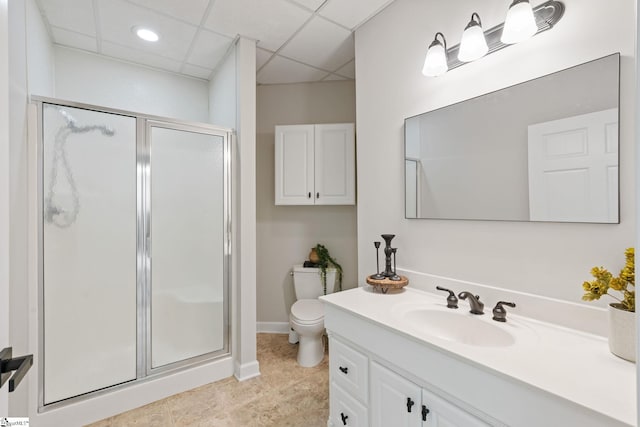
345,410
349,369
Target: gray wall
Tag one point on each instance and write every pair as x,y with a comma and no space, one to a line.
285,234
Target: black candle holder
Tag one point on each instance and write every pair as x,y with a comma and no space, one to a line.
377,276
387,255
395,277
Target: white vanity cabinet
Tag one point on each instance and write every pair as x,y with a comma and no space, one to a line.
315,164
398,401
363,392
392,359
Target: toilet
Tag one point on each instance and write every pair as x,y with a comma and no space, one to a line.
307,313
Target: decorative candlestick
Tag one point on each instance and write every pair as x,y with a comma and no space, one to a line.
387,252
377,276
395,277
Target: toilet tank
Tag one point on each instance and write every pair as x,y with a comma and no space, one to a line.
307,283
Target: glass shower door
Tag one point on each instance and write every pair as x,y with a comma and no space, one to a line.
187,242
88,258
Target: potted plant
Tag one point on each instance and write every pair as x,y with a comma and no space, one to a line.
622,322
324,261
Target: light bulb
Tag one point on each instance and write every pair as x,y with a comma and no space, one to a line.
146,34
520,24
473,45
435,63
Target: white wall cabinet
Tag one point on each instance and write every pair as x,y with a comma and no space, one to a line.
363,392
315,164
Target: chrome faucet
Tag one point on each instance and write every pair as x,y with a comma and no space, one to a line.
477,307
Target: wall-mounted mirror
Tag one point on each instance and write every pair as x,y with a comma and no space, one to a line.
542,150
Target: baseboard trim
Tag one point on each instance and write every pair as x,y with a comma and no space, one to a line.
247,371
273,327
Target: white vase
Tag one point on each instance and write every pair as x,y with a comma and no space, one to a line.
622,333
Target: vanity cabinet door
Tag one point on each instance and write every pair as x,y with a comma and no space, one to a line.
444,414
395,401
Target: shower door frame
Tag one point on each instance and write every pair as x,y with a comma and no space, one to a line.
144,122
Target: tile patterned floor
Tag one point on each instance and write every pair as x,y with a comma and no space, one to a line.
285,395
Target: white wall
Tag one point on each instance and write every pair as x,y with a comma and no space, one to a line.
5,182
88,78
546,259
244,214
222,93
286,234
30,68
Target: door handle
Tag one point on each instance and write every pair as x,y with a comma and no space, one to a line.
8,364
425,412
410,403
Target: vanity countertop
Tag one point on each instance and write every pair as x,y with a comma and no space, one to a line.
569,364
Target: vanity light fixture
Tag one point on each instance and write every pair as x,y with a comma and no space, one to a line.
435,63
473,44
517,27
520,24
146,34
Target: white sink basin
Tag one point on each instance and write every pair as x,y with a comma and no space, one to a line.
459,326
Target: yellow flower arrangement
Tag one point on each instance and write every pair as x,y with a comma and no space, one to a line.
625,283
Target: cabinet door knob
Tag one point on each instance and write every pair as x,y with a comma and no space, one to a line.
317,195
344,369
344,418
410,403
425,412
309,195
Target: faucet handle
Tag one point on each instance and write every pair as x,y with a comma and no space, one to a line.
499,313
452,301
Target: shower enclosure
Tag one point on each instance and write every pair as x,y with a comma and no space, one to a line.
134,244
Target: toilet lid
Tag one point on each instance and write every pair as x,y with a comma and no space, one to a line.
308,309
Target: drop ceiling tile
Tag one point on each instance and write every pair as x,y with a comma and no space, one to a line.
118,18
208,49
310,4
262,56
191,11
74,15
282,70
70,38
195,71
321,44
349,70
139,57
271,22
353,12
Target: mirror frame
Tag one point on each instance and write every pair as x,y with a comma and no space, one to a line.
494,93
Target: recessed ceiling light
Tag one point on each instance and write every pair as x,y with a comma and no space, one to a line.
145,34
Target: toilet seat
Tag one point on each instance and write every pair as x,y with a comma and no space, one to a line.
307,311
